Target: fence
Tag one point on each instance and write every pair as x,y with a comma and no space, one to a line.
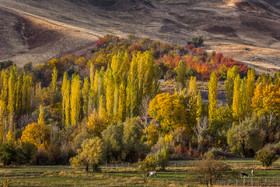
250,181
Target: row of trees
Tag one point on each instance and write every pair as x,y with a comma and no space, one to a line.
111,108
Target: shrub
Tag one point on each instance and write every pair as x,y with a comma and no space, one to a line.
145,166
267,155
209,170
40,157
6,64
54,154
25,152
8,153
216,153
161,157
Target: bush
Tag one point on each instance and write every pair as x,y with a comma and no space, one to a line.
217,153
6,64
25,152
8,153
209,170
267,155
161,157
145,166
40,157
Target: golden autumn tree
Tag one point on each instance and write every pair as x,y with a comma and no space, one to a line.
12,99
75,100
37,133
266,101
109,83
122,103
2,120
192,102
169,110
212,85
95,125
250,88
236,103
85,93
198,106
229,84
91,154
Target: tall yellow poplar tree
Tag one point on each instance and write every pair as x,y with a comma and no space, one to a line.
75,100
212,85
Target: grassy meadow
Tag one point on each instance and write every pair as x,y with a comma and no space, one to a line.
127,175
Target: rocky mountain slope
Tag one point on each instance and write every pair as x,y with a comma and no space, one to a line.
37,30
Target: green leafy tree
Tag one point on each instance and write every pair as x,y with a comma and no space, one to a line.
161,157
112,138
145,166
244,136
8,153
132,146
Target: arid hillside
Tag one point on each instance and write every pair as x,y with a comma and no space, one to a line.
37,30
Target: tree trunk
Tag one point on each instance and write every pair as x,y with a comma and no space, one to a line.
87,168
243,148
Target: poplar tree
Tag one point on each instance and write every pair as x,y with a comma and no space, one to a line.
250,88
2,121
110,88
41,120
212,85
116,102
19,83
236,104
132,88
192,101
121,103
94,91
85,93
63,90
4,91
198,106
102,110
148,60
100,86
181,73
12,99
67,103
75,100
229,84
53,85
27,93
91,90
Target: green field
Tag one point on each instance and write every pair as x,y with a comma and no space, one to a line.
126,175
